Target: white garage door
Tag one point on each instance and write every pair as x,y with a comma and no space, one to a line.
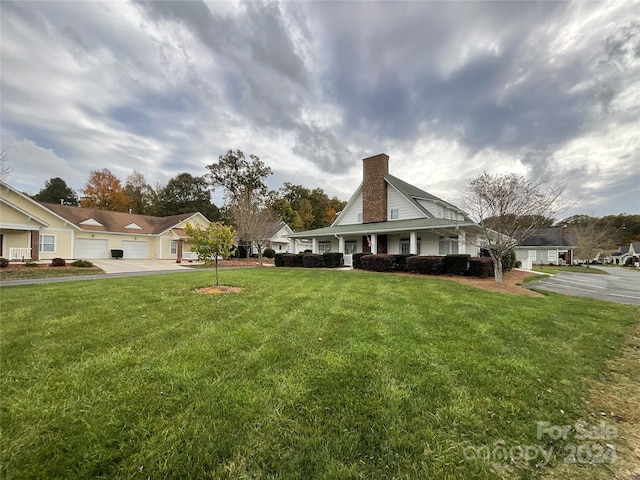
134,249
91,248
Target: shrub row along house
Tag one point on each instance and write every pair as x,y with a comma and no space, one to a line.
43,231
388,215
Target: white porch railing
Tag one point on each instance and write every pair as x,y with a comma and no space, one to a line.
189,255
348,260
19,253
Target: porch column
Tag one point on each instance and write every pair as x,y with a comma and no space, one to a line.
413,243
461,242
314,245
179,252
292,245
35,245
341,244
374,243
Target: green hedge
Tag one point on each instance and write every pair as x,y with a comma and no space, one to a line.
312,260
4,263
377,263
333,260
456,264
269,253
58,262
357,259
480,267
278,261
426,265
289,259
508,260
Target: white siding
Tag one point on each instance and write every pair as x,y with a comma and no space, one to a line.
405,208
430,206
350,214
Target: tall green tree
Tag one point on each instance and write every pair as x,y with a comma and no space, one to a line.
238,176
56,190
143,196
215,241
186,193
305,209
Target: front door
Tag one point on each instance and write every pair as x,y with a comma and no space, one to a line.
382,244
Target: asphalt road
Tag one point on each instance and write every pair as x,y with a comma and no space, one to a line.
622,285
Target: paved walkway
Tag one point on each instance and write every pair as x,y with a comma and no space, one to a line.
622,285
112,265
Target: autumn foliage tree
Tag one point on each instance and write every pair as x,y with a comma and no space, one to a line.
215,241
104,191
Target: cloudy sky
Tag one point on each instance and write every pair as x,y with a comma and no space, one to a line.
448,90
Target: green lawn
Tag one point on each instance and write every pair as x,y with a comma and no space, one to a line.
567,268
303,374
45,271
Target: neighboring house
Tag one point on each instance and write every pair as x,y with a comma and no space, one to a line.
388,215
620,256
279,240
634,253
547,246
42,231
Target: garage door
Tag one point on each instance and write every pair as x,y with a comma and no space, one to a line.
135,249
91,248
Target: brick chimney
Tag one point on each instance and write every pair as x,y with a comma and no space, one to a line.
374,188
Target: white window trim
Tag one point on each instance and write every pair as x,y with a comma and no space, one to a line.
394,214
41,244
173,247
552,256
532,255
360,218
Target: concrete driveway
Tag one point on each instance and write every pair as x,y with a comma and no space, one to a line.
111,265
622,285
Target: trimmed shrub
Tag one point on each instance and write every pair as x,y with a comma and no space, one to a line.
82,264
508,260
299,260
4,263
518,264
278,261
289,259
269,253
58,262
117,253
456,263
312,260
378,263
480,267
30,263
427,265
357,259
307,251
333,259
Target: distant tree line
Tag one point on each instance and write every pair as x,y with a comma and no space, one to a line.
240,178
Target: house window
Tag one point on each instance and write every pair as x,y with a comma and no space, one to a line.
324,247
395,214
405,246
448,245
350,247
47,243
174,248
552,256
532,255
359,218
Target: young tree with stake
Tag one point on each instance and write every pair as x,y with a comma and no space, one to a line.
216,240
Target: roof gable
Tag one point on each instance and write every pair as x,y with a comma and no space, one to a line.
92,222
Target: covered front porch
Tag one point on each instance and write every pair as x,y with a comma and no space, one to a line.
425,241
19,244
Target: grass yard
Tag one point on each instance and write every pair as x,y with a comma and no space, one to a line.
302,374
23,272
552,269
